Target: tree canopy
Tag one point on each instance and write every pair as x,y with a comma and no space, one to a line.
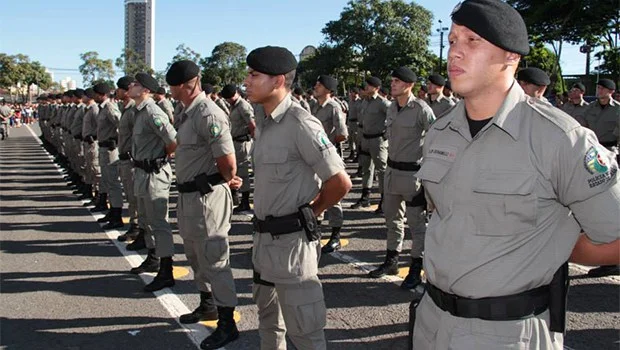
226,65
131,63
95,70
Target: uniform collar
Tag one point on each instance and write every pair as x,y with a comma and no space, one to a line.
198,99
143,104
326,101
104,103
279,112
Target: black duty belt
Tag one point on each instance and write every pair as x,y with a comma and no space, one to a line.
511,307
150,165
404,166
280,225
608,144
373,136
124,156
193,186
107,143
244,138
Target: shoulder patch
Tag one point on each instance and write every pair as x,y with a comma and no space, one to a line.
215,130
555,115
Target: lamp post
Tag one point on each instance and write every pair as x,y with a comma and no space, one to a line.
441,30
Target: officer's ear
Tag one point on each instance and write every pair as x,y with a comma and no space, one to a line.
512,59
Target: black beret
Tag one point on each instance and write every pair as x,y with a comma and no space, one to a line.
147,81
495,21
79,93
161,91
373,81
68,93
272,60
123,83
329,82
579,86
607,83
181,72
101,88
437,79
424,88
404,74
298,91
534,76
90,93
355,90
208,88
229,91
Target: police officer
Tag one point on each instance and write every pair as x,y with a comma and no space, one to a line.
576,105
422,92
534,82
107,140
76,142
210,92
298,93
352,120
125,166
373,148
164,103
407,122
447,91
504,172
242,127
91,154
298,175
205,163
331,116
439,103
153,140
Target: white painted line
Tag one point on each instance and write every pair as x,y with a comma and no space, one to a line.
166,297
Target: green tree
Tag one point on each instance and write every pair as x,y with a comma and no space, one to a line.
95,69
545,59
18,74
184,53
382,35
131,63
226,65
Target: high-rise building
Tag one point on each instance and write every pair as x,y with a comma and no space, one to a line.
140,29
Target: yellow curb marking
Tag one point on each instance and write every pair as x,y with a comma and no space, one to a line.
179,272
213,324
343,242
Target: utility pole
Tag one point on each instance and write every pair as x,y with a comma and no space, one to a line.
441,30
587,49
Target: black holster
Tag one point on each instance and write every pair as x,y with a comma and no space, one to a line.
412,308
205,183
309,223
558,298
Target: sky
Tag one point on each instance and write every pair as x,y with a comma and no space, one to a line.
55,33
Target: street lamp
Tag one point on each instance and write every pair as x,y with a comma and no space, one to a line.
441,30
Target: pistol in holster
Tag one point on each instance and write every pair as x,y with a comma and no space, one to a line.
202,183
309,222
558,298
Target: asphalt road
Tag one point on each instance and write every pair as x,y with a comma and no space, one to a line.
64,281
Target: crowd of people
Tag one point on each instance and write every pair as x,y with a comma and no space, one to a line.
502,171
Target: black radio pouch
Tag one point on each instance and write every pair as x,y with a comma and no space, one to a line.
202,183
309,223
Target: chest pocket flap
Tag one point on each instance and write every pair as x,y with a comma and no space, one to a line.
433,170
505,182
277,163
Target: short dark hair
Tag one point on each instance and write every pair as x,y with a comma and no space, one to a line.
289,78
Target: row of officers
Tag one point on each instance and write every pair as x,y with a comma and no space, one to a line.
299,175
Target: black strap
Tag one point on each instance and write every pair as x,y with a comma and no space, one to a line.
124,156
280,225
244,138
506,308
107,143
192,186
373,136
404,166
418,200
256,279
150,165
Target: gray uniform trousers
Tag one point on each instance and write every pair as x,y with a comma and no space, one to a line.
378,149
242,154
78,153
335,215
110,181
294,304
440,330
153,208
353,136
126,172
395,209
204,222
91,160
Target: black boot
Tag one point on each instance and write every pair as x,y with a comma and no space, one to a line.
80,187
389,267
379,210
102,204
364,201
235,197
206,311
138,243
130,234
244,205
106,217
164,277
116,219
413,278
87,192
94,200
334,242
150,264
225,332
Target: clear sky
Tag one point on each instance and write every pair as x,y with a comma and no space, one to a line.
56,32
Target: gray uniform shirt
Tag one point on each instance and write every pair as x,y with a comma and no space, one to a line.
576,111
167,107
125,127
107,121
241,114
440,106
503,199
292,156
406,129
152,131
332,117
374,114
203,136
78,119
354,111
222,104
89,124
603,120
67,116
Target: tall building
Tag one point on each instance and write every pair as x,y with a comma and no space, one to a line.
140,29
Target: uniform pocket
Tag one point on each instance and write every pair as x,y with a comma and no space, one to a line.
403,182
310,314
277,166
283,260
433,170
505,202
